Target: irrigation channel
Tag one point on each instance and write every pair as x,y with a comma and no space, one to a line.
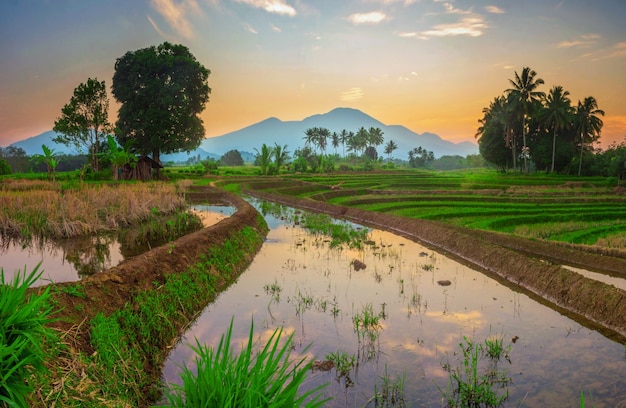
426,305
72,259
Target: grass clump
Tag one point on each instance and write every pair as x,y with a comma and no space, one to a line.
478,380
22,334
263,379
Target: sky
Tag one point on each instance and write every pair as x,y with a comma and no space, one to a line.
430,65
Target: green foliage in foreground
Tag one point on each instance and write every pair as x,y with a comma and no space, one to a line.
265,378
22,335
140,334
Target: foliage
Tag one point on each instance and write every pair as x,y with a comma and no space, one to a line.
264,158
210,165
4,167
49,158
232,158
468,386
281,156
162,90
419,157
85,118
551,129
23,332
265,378
119,157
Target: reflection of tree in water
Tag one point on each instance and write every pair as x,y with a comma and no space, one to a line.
88,255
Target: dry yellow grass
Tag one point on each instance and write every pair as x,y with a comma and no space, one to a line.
40,208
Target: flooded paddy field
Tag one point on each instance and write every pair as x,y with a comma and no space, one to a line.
426,308
70,260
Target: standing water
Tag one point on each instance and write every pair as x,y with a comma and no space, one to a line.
428,308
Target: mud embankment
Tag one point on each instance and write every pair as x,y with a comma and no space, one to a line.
521,263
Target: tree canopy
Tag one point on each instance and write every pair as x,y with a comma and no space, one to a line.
552,130
162,90
85,118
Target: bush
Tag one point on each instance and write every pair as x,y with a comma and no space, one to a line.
253,379
4,167
23,333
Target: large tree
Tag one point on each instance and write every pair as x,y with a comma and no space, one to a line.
524,92
85,118
588,124
162,90
557,113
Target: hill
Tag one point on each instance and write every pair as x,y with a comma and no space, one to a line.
291,133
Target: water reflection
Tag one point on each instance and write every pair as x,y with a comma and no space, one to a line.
422,323
73,259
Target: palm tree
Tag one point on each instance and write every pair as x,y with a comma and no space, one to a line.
310,136
344,137
587,124
335,140
375,137
361,138
49,158
498,121
557,114
389,148
264,158
524,92
322,138
281,155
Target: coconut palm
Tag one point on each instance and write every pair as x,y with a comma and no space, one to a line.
389,148
525,94
375,137
264,158
587,124
335,140
281,155
557,114
343,138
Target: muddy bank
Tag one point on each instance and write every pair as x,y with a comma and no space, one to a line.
520,263
119,287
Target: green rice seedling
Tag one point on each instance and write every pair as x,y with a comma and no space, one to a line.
273,290
23,332
391,393
367,323
343,362
472,384
266,378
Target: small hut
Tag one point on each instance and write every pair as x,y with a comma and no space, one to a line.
141,169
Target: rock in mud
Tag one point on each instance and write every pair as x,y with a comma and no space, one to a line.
444,282
358,265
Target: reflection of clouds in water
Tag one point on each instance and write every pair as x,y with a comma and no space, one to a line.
417,337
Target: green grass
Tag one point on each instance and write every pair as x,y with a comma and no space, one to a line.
23,333
264,378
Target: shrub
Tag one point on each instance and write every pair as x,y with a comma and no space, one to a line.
22,334
253,379
4,167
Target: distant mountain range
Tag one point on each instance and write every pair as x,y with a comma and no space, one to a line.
291,133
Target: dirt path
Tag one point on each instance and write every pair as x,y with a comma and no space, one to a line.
531,266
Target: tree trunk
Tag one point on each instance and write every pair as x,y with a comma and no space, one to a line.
524,141
156,156
580,162
553,150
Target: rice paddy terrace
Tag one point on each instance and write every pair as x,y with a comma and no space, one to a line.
548,224
590,212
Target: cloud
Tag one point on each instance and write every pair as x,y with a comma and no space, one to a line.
176,14
276,28
450,9
494,10
584,40
250,29
373,17
473,26
351,94
271,6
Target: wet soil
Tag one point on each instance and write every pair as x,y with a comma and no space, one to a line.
530,266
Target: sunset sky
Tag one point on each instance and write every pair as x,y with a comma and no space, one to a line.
430,65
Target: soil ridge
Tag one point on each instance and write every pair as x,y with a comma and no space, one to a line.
597,304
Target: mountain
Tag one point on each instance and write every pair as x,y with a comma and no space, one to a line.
291,133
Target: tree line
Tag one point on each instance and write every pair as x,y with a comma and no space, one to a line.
525,126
